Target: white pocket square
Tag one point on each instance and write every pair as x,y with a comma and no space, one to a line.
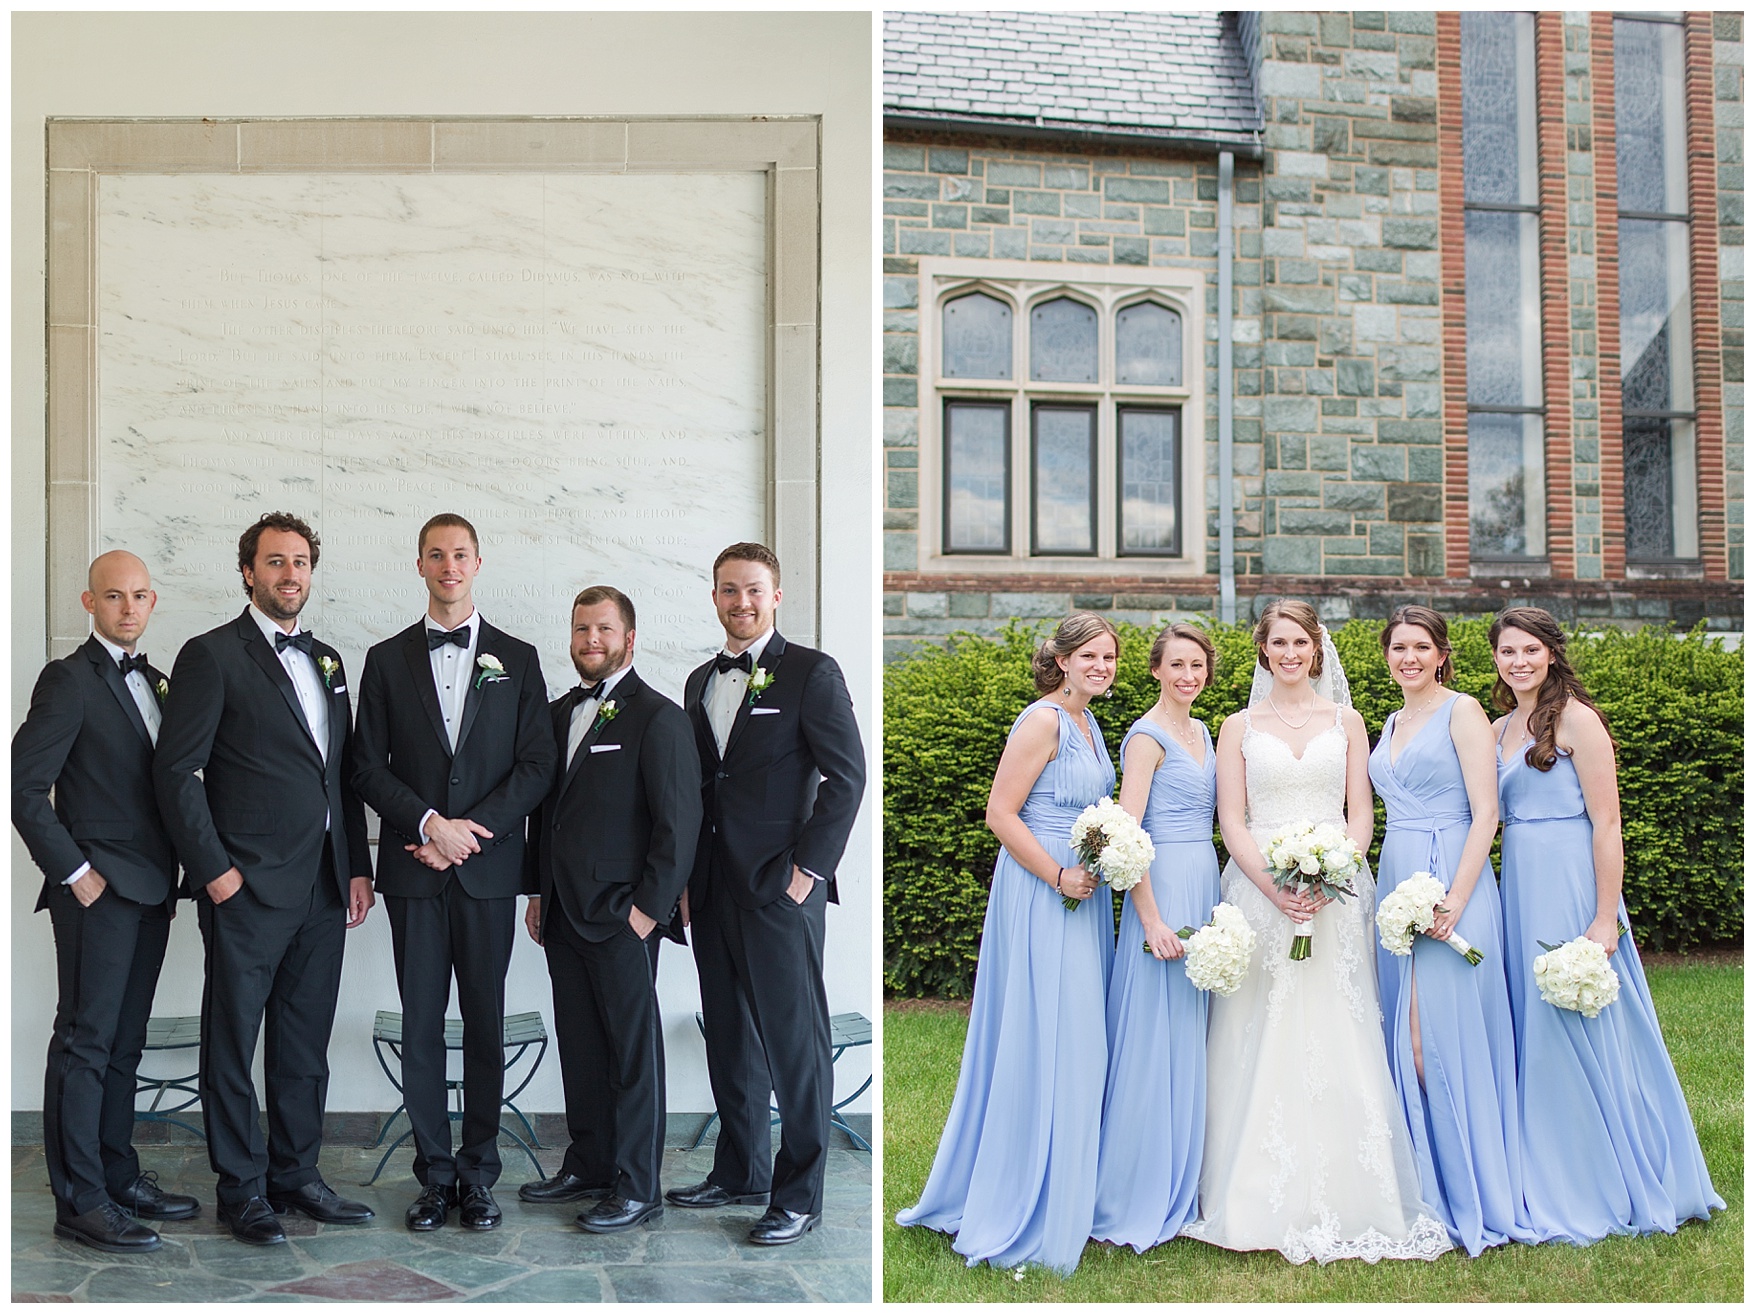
764,711
604,748
339,689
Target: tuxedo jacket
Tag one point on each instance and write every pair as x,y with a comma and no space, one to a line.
403,763
85,739
619,828
788,786
264,790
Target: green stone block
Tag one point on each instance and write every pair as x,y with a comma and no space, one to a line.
901,392
901,551
1386,464
911,186
1425,554
969,606
941,160
1291,556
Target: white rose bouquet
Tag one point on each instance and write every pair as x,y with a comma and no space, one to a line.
1217,953
1111,846
1313,860
1410,909
1577,976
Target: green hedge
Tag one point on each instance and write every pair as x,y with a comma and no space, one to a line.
1675,704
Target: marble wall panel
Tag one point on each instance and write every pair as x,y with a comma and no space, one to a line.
576,362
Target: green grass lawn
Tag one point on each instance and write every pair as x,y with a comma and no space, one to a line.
1701,1006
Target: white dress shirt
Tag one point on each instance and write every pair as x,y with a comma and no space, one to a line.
308,683
144,698
453,670
585,712
726,690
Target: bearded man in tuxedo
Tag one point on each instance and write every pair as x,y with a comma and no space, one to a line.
611,851
782,776
252,775
452,751
109,875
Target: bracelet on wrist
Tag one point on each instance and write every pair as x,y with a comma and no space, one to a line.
1058,873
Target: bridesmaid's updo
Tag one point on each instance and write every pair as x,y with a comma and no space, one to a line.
1195,635
1301,614
1561,684
1069,636
1430,621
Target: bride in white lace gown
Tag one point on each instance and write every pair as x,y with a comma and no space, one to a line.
1306,1152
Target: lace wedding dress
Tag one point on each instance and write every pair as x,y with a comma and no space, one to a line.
1305,1149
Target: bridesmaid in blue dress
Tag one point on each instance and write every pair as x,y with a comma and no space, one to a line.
1155,1106
1608,1144
1448,1025
1015,1177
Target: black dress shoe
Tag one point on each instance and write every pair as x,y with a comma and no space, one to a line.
142,1198
560,1189
316,1200
109,1228
781,1227
253,1222
427,1213
618,1215
476,1208
705,1195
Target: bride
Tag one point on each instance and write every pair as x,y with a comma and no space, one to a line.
1306,1152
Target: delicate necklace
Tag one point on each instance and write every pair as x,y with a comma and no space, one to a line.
1191,736
1423,708
1277,712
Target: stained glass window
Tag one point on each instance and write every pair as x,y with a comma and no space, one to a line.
1064,479
978,338
1063,342
1151,481
1148,345
977,476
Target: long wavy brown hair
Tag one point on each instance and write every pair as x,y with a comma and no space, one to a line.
1561,684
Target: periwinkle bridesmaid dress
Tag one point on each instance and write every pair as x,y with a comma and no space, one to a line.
1608,1144
1155,1104
1015,1177
1464,1121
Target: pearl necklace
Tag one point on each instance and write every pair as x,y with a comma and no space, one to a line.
1191,737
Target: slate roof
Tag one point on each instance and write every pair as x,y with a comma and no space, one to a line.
1157,75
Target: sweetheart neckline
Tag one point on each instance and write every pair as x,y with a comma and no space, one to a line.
1296,757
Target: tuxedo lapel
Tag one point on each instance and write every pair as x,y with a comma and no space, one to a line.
485,643
695,697
261,651
111,675
420,674
626,688
771,657
337,705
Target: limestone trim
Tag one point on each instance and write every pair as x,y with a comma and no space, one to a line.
786,149
1023,284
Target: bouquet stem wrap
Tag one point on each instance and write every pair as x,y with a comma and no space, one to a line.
1319,860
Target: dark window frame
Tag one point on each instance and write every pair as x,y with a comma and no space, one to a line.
1005,408
1091,408
1121,548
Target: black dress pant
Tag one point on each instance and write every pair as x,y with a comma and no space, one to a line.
766,1018
275,971
107,960
434,937
612,1055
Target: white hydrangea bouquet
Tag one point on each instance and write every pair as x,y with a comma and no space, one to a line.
1216,955
1111,846
1410,909
1313,860
1577,976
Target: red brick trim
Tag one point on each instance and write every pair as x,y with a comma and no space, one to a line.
1453,308
1709,434
1602,78
1556,312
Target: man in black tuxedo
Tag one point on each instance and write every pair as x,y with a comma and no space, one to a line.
612,847
783,772
108,882
272,834
452,751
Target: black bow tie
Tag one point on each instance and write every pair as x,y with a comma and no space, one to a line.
301,641
135,663
588,691
439,638
742,662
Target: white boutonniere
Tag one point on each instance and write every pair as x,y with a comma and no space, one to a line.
606,711
164,689
760,679
329,666
492,672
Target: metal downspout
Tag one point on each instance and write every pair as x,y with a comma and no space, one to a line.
1227,484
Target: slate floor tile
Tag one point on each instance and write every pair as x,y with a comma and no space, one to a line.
572,1285
371,1280
704,1283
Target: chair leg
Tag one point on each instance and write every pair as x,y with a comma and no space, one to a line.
705,1127
394,1146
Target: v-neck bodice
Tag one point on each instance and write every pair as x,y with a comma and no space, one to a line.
1080,774
1184,791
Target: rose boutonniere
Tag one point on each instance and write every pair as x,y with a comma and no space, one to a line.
606,711
492,672
760,679
163,689
329,666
